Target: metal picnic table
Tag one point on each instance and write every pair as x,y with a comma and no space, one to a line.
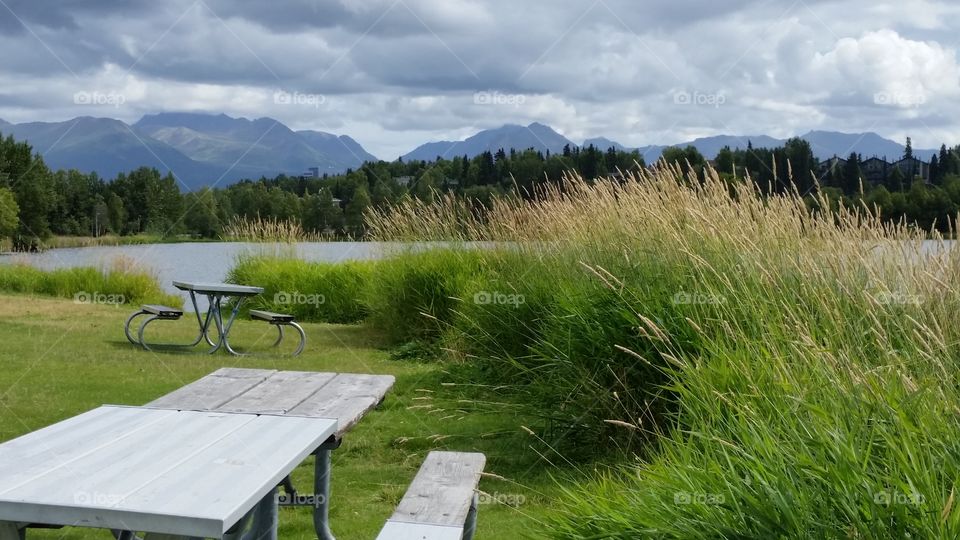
215,450
173,474
216,293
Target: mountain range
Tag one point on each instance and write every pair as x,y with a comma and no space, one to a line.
825,144
207,149
536,135
200,149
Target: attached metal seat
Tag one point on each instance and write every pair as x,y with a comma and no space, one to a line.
163,312
154,312
280,320
271,317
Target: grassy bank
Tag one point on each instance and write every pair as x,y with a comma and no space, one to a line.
120,283
313,291
778,371
746,366
60,359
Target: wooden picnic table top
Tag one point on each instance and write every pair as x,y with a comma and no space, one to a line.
155,470
345,397
231,289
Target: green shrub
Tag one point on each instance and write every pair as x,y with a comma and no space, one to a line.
413,295
118,284
312,291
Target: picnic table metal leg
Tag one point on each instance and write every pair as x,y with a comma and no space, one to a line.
204,323
265,519
143,327
126,326
279,336
321,487
225,328
10,531
470,527
217,321
303,338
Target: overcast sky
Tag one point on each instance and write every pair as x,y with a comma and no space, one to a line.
396,73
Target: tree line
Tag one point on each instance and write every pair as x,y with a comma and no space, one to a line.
37,202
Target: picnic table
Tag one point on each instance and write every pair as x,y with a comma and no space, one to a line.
215,449
164,471
216,293
344,397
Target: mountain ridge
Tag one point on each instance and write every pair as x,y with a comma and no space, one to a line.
199,149
212,149
535,135
825,144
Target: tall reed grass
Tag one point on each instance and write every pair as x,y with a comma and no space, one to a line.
782,372
267,230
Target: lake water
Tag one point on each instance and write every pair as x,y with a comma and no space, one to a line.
201,261
210,261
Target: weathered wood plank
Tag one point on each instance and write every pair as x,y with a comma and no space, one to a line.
347,398
278,393
419,531
175,472
443,490
214,390
25,458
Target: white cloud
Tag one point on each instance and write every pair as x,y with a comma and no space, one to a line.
888,69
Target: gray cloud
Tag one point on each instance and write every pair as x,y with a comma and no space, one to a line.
394,73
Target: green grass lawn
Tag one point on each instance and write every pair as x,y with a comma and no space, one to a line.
59,359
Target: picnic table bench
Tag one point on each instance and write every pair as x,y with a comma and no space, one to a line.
441,503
